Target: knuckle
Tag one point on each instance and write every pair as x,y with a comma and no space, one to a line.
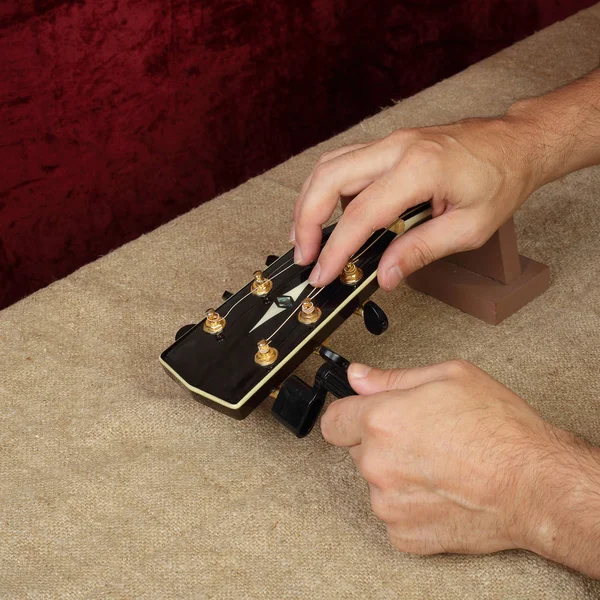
351,155
374,422
401,136
458,368
384,187
372,470
398,540
326,156
473,237
322,171
381,506
394,537
423,152
355,211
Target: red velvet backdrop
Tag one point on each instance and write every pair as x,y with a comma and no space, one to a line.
118,115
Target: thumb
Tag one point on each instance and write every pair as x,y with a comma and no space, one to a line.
367,380
439,237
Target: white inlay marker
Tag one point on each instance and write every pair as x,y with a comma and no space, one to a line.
274,310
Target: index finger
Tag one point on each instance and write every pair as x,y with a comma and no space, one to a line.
316,238
325,157
345,175
374,208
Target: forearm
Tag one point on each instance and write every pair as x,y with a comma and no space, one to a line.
564,511
559,132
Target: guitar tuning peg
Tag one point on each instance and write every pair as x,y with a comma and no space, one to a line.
330,355
271,259
261,285
375,319
297,405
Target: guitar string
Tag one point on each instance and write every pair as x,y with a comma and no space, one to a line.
356,257
276,274
388,228
289,266
242,298
282,270
312,295
250,292
316,291
334,222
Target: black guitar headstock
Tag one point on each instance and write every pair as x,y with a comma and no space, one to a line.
247,348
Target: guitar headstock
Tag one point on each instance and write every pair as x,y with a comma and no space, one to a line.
244,349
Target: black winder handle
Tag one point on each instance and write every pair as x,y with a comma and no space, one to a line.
334,378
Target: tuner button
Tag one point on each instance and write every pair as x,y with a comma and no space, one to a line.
226,295
376,320
184,330
271,259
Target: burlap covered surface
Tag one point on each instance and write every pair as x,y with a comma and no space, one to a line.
115,483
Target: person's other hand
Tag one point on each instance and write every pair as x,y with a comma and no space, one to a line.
456,462
475,172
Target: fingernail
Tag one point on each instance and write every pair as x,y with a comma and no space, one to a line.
393,276
358,371
297,255
293,233
313,278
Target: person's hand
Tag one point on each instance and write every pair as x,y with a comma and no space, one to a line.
456,462
475,173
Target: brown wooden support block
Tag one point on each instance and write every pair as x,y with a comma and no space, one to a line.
490,283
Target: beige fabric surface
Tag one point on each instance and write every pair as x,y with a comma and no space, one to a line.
115,483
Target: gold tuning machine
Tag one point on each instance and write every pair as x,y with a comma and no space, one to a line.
360,311
265,355
317,350
309,313
351,274
214,323
261,286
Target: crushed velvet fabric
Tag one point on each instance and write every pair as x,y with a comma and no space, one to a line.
116,116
